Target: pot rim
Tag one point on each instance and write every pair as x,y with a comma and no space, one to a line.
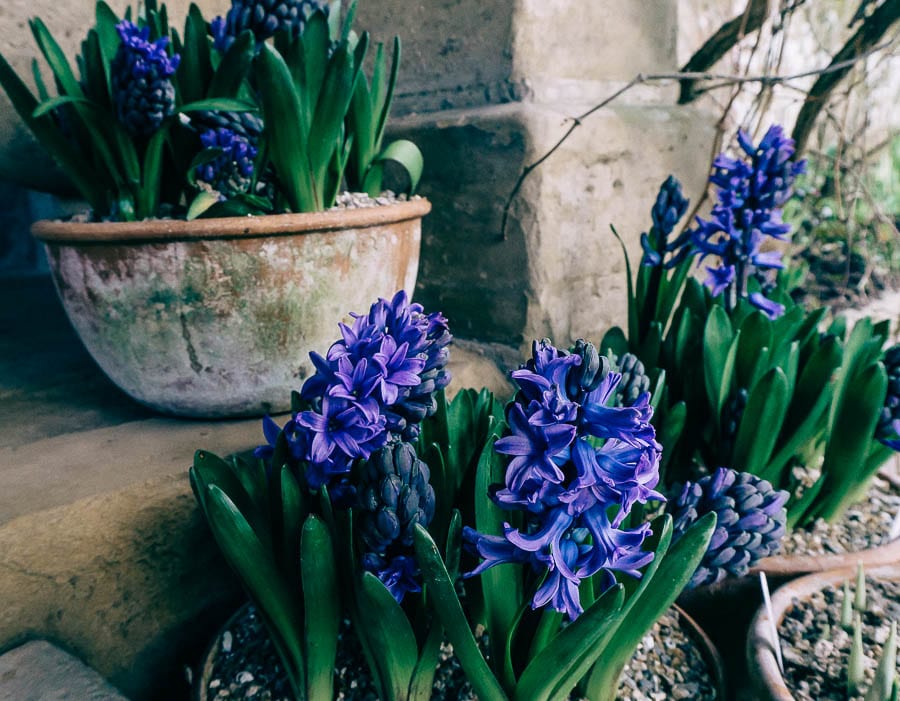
708,650
64,232
761,661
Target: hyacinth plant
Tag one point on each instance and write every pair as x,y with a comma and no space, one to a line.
267,109
737,353
565,573
319,525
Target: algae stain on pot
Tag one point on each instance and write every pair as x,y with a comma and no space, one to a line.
211,322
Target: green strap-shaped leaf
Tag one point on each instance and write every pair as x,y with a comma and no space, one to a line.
558,664
384,95
390,635
195,69
108,36
257,569
331,108
848,445
717,344
422,683
756,334
223,104
322,608
293,515
52,103
501,584
147,201
449,610
234,67
650,599
633,317
761,422
287,141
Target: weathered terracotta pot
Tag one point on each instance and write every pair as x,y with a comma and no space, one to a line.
765,676
724,610
216,317
694,632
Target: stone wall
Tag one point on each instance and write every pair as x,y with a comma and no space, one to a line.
486,88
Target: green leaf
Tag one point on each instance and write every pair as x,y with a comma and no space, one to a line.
449,610
321,607
222,104
108,37
51,104
718,338
235,66
293,515
653,596
331,108
151,183
848,445
558,664
201,203
384,97
614,341
633,320
761,422
287,141
756,334
385,624
259,573
195,69
502,584
56,59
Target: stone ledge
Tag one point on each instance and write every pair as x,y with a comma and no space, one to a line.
40,671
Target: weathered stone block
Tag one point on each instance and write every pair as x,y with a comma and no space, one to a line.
40,671
131,582
560,271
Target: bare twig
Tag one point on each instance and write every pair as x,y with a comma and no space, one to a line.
725,80
873,28
727,36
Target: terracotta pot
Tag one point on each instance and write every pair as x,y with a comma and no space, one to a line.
724,610
765,676
694,632
216,317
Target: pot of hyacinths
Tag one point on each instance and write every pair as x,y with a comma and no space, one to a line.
735,354
563,574
319,524
827,638
218,245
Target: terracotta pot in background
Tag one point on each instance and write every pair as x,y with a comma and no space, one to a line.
765,677
216,317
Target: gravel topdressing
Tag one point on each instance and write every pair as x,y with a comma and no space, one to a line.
667,665
816,649
864,525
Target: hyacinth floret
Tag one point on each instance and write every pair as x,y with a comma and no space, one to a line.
140,78
264,18
667,211
231,171
576,468
750,521
751,191
888,429
360,408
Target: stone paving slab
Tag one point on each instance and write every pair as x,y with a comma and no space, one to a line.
40,671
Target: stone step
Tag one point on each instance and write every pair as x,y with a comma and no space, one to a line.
40,671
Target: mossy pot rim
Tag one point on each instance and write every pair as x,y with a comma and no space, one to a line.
57,231
762,665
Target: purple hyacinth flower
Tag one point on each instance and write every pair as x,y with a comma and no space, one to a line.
770,308
719,278
341,426
534,449
399,573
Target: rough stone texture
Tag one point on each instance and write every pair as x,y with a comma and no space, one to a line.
560,272
126,580
40,671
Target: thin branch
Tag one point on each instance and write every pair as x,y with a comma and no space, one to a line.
720,43
873,28
639,79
